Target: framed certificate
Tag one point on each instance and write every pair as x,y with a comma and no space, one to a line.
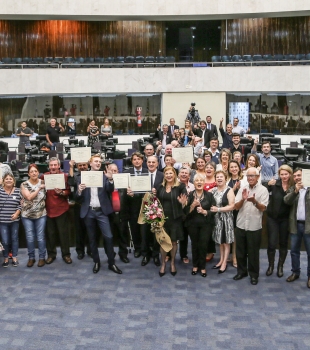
92,178
53,181
305,178
140,183
183,154
121,180
81,154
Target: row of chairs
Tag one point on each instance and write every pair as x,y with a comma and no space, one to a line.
87,62
260,60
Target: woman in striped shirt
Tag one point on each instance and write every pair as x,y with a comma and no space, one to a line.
10,210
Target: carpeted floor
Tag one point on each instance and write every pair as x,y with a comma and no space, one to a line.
64,306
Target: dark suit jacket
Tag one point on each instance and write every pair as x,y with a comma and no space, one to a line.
104,199
169,128
158,179
168,138
198,132
213,130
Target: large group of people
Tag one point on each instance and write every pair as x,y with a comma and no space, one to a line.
218,201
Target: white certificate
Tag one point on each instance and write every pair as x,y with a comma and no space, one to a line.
81,154
92,178
140,183
183,154
121,180
305,179
54,181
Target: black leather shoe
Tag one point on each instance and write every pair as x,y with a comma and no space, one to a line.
124,259
215,267
115,269
145,260
156,261
203,274
292,277
80,256
254,281
194,272
240,276
96,268
308,283
222,271
137,254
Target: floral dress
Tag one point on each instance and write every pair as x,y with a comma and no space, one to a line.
91,138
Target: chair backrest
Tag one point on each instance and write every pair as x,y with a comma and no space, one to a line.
160,59
89,59
302,165
216,59
273,140
119,59
226,58
58,59
129,59
236,58
257,58
149,59
170,59
140,59
300,56
267,57
247,58
267,134
6,59
302,152
99,60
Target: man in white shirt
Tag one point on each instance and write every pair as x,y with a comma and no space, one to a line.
237,129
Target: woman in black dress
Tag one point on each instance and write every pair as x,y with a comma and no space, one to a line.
172,195
200,222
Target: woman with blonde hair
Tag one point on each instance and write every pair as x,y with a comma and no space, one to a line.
223,233
224,158
172,195
106,128
278,218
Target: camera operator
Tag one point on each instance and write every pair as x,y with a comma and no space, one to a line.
193,115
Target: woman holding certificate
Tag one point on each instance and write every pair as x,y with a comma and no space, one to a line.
172,195
34,214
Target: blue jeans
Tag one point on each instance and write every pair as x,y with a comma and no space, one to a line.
35,229
295,248
9,234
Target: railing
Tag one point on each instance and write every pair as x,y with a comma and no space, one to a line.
152,65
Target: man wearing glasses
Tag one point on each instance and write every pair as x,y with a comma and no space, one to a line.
251,201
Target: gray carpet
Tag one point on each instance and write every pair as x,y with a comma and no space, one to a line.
64,306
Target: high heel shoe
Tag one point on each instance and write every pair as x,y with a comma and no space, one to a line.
161,274
194,272
173,273
222,271
215,267
203,274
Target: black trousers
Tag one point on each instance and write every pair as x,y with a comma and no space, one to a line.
57,226
81,239
247,251
278,233
149,247
200,237
121,227
184,244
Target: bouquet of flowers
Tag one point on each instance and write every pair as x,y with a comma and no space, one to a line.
152,210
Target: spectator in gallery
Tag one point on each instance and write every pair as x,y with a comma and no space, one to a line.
106,128
106,111
93,134
24,133
52,133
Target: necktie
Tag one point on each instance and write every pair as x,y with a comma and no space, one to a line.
152,181
138,172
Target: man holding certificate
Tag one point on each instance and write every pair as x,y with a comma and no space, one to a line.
57,207
95,208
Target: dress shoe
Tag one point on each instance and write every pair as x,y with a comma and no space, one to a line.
203,274
215,267
31,262
292,277
222,271
173,273
254,281
115,269
161,274
96,267
239,276
49,260
137,254
308,283
124,259
80,256
145,260
67,259
156,261
194,272
209,258
41,262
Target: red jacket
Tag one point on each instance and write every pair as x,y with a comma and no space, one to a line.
56,204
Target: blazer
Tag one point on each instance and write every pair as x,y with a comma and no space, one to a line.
158,179
175,192
276,208
103,195
207,137
168,137
213,130
174,126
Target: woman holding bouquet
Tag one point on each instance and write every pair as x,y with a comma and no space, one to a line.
172,195
200,220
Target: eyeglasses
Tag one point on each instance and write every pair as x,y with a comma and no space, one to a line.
251,176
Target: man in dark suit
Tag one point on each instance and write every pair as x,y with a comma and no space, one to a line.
203,133
164,137
95,208
134,201
150,246
212,127
172,126
148,151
